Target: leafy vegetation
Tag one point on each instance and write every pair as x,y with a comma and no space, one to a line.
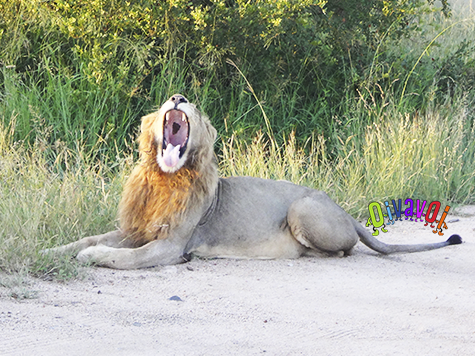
368,100
92,69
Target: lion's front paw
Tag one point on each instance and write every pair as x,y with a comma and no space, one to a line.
99,254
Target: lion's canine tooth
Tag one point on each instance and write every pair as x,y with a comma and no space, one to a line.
167,116
183,117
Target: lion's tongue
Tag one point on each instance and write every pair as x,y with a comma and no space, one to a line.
171,155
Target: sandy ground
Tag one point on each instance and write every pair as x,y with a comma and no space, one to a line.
365,304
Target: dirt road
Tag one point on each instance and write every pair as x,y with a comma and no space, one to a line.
365,304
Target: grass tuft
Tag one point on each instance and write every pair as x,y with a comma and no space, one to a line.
52,197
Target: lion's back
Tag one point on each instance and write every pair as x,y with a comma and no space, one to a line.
248,213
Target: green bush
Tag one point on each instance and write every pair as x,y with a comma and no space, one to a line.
91,69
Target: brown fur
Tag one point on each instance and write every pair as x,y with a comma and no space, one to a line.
153,202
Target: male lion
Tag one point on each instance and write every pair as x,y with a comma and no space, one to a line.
174,205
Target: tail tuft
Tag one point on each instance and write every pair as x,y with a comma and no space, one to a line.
454,240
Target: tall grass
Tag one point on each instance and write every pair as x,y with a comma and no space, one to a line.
72,108
399,156
51,197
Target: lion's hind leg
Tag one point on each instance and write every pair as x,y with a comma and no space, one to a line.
112,239
319,224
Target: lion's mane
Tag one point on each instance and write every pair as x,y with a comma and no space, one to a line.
153,202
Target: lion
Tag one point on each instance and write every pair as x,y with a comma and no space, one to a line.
174,206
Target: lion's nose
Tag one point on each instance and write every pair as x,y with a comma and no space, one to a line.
178,98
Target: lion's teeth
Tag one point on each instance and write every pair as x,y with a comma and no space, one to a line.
167,115
183,117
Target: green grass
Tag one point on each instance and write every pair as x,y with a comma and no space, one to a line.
52,197
398,156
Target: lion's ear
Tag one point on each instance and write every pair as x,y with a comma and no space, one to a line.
212,131
146,137
209,127
147,121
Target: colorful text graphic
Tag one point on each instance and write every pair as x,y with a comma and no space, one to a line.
413,212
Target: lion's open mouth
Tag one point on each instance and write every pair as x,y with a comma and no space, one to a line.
176,131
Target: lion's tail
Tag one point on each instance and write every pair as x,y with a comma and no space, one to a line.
386,249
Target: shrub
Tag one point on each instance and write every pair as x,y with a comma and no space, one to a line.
304,59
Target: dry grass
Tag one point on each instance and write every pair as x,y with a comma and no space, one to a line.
51,196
